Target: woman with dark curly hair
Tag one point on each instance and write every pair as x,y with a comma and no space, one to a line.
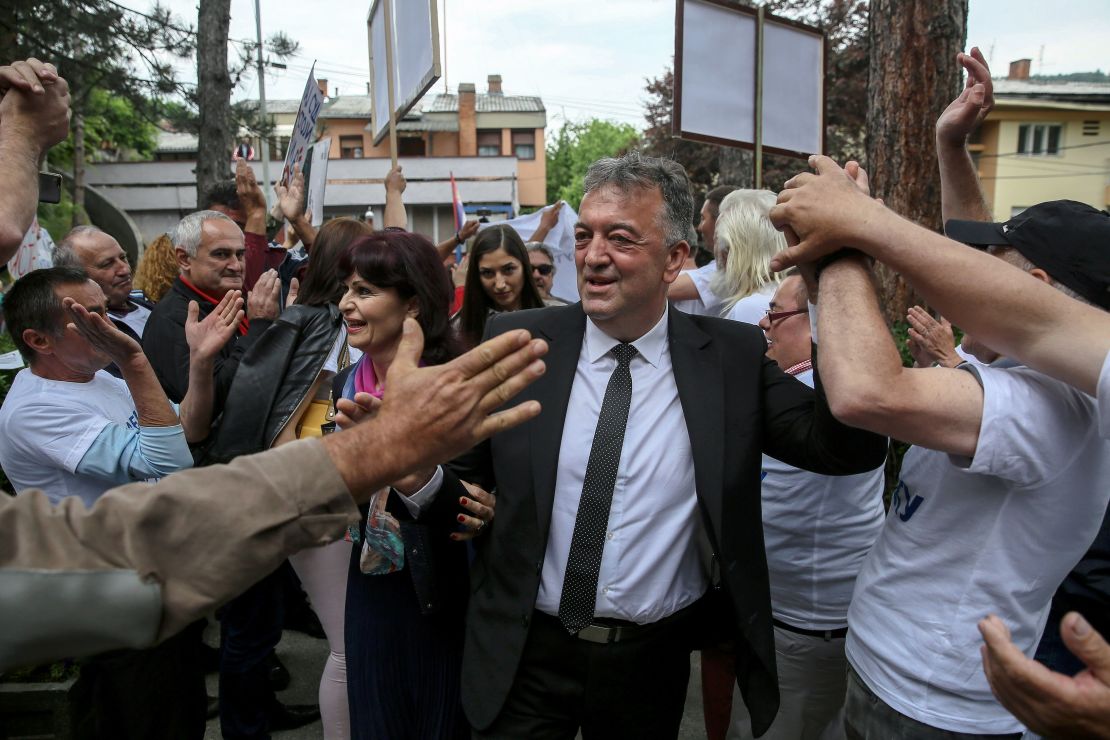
498,278
407,585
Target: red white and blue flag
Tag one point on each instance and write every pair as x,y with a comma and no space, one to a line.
460,214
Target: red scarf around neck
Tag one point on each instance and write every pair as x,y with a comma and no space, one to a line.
244,324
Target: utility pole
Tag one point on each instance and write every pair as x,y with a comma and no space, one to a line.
262,108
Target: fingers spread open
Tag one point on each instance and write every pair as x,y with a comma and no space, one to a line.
488,353
507,419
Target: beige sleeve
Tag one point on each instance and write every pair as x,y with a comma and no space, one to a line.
202,535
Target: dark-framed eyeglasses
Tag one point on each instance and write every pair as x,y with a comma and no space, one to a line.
773,316
544,270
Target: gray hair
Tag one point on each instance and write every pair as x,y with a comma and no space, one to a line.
1023,263
744,230
65,254
634,170
541,247
187,234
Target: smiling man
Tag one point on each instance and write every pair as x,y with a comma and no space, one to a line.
106,263
624,508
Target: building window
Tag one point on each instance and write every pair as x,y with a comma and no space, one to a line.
350,147
410,146
1039,139
524,144
489,143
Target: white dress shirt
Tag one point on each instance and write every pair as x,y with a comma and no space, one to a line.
650,567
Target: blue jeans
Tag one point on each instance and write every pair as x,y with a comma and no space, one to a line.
867,717
250,628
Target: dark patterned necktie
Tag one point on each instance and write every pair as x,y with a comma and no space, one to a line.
576,606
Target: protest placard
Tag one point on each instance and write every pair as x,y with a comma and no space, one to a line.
316,180
304,128
415,60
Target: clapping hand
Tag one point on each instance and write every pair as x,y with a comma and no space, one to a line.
206,338
264,302
968,110
291,197
931,340
101,333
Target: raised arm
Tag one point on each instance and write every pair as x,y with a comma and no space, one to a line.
291,202
395,216
447,246
867,385
549,219
206,339
34,116
1024,319
961,196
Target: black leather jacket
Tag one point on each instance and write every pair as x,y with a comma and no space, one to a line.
273,376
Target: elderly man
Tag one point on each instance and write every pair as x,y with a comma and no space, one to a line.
543,272
604,565
70,430
101,256
818,530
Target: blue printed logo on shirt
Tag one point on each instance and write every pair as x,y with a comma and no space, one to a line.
133,422
903,503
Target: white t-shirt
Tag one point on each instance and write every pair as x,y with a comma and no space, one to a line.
817,529
47,426
1104,398
707,303
135,318
960,543
752,308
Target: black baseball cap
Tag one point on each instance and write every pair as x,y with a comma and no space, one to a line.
1067,239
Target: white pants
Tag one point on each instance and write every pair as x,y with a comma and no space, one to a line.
812,684
323,573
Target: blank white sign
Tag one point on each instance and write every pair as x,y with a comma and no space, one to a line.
416,57
793,88
718,72
718,85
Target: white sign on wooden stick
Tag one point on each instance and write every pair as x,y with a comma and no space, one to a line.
304,128
416,65
717,55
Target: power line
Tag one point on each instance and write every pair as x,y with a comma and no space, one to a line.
1041,177
1059,149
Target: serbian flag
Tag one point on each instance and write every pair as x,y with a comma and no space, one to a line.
460,215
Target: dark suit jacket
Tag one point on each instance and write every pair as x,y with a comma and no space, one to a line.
737,404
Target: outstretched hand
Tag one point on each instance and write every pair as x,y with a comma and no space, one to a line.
206,338
1049,703
974,102
823,212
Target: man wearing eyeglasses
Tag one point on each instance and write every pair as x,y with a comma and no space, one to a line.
813,554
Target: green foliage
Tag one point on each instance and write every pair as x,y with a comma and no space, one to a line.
56,218
115,129
575,147
58,672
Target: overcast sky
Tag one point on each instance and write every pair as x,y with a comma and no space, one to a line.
589,58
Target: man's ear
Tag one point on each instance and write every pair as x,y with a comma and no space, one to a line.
183,259
676,258
39,341
1041,275
412,309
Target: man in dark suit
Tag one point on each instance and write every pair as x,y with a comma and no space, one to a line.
628,524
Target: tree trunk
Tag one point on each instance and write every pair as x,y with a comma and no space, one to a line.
79,216
215,136
913,77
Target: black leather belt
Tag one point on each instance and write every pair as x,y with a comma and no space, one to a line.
826,634
603,631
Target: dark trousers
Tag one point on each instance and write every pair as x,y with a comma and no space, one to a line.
250,628
635,688
139,694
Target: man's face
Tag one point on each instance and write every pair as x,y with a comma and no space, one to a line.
788,339
624,262
69,356
218,266
106,263
543,271
707,225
